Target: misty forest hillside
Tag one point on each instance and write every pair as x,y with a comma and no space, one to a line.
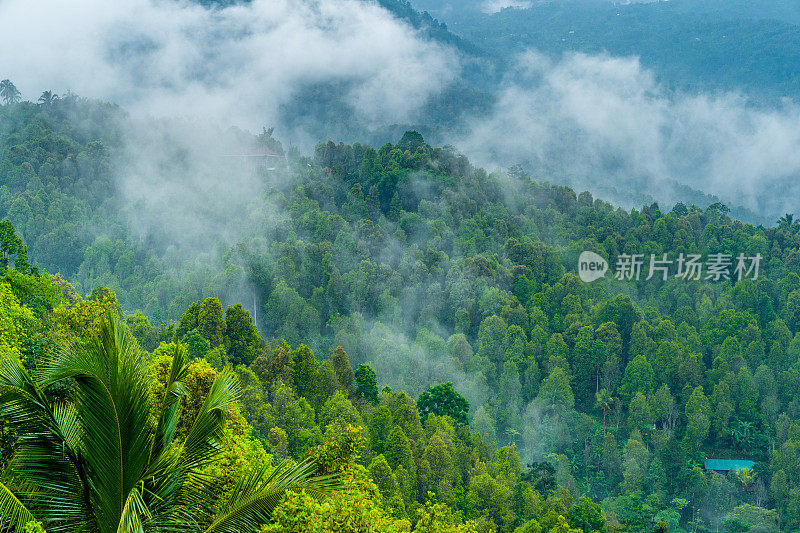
368,316
680,116
408,321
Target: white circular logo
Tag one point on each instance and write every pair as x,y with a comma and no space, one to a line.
591,267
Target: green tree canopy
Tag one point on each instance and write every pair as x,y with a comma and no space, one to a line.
443,400
366,383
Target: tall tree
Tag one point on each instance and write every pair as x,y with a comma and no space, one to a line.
556,391
9,92
48,98
241,336
604,400
341,365
698,417
366,383
444,399
12,249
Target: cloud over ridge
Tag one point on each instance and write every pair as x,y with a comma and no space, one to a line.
238,63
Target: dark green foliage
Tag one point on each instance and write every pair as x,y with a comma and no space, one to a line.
241,336
443,400
541,476
341,365
366,383
13,251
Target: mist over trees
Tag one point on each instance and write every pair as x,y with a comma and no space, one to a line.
205,327
422,317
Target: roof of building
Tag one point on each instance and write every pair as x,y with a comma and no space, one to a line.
726,465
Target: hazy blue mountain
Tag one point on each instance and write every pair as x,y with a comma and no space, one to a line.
785,10
690,44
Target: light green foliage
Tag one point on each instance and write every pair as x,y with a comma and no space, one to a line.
15,321
113,455
33,527
555,391
698,417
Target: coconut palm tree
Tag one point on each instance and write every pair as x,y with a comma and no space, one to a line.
606,401
743,434
9,92
101,462
48,98
788,222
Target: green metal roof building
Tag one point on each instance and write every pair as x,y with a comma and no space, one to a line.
728,465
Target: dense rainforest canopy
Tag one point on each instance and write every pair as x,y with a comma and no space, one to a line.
408,323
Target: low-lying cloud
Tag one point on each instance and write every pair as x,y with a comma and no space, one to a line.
603,121
237,64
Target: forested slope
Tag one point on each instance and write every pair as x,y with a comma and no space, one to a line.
426,270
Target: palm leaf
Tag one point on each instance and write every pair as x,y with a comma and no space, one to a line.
111,395
169,413
180,494
133,512
44,468
256,495
13,514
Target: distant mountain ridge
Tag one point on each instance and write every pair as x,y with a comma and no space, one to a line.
689,44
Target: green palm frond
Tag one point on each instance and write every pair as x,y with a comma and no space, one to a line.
111,398
133,513
254,498
69,425
181,494
22,404
98,463
13,514
44,468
